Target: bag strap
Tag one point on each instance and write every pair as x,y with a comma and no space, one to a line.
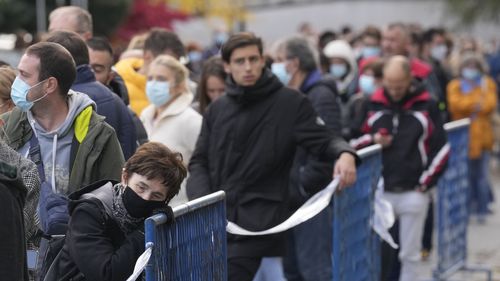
36,156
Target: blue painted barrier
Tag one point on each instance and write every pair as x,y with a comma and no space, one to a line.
356,247
451,207
194,246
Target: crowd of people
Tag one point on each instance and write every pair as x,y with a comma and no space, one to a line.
95,142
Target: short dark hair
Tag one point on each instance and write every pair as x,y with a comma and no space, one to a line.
55,61
372,31
155,161
429,34
160,40
100,44
211,67
73,43
240,40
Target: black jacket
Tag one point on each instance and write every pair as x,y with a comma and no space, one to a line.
419,151
309,174
12,242
95,248
110,106
246,148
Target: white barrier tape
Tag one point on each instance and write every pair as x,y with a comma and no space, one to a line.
311,208
141,263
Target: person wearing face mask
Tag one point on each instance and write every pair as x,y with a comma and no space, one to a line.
371,38
343,68
473,96
370,80
169,118
106,230
297,67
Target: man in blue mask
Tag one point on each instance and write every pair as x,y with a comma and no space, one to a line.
307,258
76,146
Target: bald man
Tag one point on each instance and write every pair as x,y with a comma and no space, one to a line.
405,120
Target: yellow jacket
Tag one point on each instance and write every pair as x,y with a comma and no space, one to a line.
135,83
479,104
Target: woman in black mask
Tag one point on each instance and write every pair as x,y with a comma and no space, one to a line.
106,230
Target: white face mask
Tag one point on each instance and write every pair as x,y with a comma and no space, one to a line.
19,94
439,52
158,92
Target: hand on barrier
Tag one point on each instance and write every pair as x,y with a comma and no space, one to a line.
167,210
345,170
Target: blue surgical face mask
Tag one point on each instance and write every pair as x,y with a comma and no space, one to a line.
279,69
471,73
19,94
439,52
221,38
158,92
195,56
371,51
367,84
338,70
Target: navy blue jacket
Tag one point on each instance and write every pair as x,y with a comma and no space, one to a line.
110,106
309,174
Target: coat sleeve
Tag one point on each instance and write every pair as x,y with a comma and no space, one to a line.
111,160
439,149
311,133
198,182
92,250
128,135
316,174
489,102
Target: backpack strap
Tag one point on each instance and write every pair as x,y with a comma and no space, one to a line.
36,156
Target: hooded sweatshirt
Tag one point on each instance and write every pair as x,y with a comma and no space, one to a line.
55,146
341,49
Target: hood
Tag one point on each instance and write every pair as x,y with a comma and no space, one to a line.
84,74
77,102
102,190
416,93
342,49
267,85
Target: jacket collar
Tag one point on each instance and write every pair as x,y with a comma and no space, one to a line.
84,74
179,105
267,85
311,80
415,94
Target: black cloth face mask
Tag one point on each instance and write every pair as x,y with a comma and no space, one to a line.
138,207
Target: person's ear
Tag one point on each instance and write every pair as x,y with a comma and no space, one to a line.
124,178
51,85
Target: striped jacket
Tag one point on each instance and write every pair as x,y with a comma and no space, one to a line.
419,150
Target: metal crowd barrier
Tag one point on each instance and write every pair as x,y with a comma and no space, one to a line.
452,206
194,246
356,247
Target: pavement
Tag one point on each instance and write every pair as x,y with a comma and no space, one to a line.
483,241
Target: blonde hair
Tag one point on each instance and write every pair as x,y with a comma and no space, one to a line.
7,76
181,73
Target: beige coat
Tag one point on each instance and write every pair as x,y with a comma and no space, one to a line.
178,127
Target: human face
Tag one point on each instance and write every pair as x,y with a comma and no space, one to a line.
29,70
158,72
394,42
101,62
215,87
397,84
245,65
147,189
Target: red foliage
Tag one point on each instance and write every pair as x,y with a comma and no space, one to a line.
146,14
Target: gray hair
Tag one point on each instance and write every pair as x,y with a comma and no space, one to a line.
301,48
82,16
